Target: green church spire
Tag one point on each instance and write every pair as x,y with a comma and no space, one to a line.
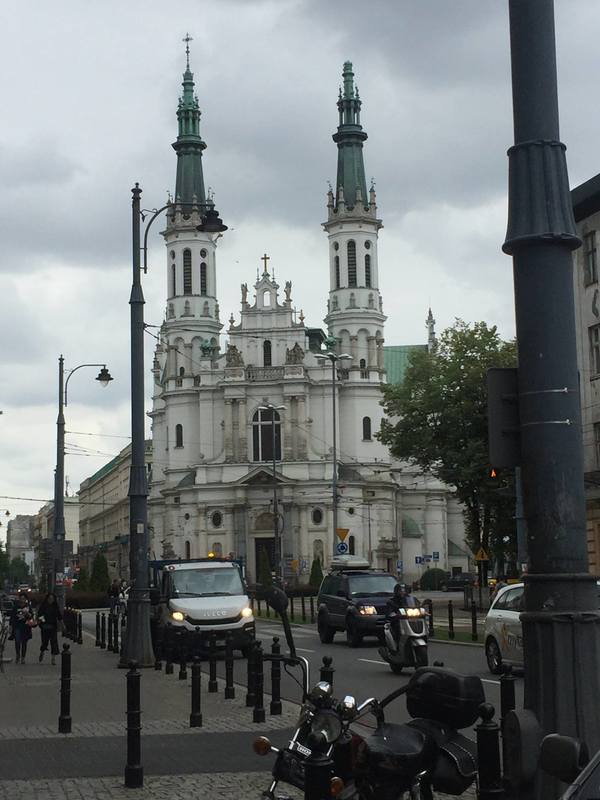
349,138
189,185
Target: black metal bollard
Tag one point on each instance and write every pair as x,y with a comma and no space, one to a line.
303,605
450,620
488,755
123,626
312,610
317,770
65,630
158,649
182,659
474,636
258,715
134,772
507,703
103,631
213,686
196,713
327,670
251,678
259,606
116,635
168,651
79,627
229,687
64,719
430,626
111,625
97,629
275,706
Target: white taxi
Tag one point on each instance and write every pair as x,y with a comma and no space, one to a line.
503,633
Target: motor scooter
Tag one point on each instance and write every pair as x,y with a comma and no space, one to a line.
405,639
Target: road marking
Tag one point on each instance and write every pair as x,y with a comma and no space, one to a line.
304,650
372,661
487,680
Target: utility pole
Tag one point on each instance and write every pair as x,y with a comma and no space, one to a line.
561,622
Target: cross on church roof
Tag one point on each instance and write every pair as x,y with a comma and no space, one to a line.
187,39
264,259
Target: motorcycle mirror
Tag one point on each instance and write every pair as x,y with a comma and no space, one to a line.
277,599
348,706
563,757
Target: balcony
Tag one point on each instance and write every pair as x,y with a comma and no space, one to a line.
264,373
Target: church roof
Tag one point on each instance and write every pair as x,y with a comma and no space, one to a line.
395,358
189,185
349,139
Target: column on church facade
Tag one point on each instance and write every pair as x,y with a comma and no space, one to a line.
354,350
187,361
372,351
380,364
435,528
301,452
288,436
171,361
228,430
242,450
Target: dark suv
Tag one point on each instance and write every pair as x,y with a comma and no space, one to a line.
354,601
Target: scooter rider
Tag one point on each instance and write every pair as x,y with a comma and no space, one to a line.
401,598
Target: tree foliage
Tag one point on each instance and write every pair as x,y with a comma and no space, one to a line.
83,581
18,571
316,573
437,419
99,581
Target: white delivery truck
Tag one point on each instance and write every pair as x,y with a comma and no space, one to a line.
198,597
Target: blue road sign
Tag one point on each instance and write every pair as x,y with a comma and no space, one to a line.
418,559
399,565
436,555
341,548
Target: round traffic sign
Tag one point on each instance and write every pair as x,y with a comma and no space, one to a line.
341,548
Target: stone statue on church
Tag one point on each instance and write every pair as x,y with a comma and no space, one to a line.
295,355
244,293
288,291
233,357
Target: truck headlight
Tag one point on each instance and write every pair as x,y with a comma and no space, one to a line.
367,610
246,612
177,616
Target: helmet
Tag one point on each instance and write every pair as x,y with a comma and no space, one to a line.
400,590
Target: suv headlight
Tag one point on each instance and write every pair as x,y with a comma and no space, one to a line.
367,610
246,612
178,616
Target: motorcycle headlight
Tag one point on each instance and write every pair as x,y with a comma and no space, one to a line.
246,612
367,610
413,612
177,616
402,612
328,724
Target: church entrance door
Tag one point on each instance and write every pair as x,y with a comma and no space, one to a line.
264,544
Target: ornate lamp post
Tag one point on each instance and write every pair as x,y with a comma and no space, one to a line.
278,539
55,584
334,358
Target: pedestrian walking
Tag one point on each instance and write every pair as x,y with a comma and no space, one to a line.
114,590
49,617
22,621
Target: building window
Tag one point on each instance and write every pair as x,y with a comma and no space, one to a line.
177,500
173,280
203,278
594,334
216,519
590,265
337,272
181,372
262,435
368,271
217,549
187,271
317,516
352,545
188,549
351,251
367,245
367,429
266,353
364,372
178,435
203,253
597,442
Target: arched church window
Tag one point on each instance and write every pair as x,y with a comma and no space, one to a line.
351,253
188,549
266,298
187,271
267,353
352,302
203,290
173,280
266,432
178,435
182,371
337,272
366,429
368,270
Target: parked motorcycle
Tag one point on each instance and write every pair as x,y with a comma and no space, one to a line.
405,639
408,760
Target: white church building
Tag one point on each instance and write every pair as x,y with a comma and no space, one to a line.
224,399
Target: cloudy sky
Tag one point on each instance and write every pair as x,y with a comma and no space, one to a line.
89,93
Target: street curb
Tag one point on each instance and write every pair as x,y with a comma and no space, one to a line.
433,640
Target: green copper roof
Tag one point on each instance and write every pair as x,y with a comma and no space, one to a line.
189,186
395,359
349,138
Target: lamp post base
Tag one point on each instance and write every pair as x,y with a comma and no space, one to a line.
137,642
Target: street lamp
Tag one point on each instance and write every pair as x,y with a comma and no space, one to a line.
55,584
334,358
278,540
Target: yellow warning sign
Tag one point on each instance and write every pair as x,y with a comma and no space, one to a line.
342,533
481,555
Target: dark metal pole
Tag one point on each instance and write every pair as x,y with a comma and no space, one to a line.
521,523
213,685
488,755
97,629
561,616
103,631
258,715
138,641
64,720
450,620
275,706
334,495
57,587
326,671
229,687
134,771
278,555
196,712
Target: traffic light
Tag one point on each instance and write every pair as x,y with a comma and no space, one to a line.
504,435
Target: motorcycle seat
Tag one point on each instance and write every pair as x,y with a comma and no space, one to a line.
398,750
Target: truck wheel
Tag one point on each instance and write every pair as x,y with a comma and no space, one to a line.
353,637
326,633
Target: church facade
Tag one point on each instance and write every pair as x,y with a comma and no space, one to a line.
245,413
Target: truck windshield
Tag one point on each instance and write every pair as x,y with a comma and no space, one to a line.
371,585
207,582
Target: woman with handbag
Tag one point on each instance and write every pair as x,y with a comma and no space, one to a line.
48,618
22,622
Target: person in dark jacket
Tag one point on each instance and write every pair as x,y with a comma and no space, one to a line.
48,617
21,622
114,590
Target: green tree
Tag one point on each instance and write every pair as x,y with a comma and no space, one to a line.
18,570
316,573
99,581
264,569
83,581
4,565
437,419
